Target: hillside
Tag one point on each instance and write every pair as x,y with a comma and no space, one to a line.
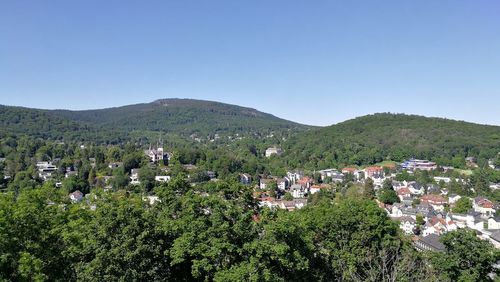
182,117
373,138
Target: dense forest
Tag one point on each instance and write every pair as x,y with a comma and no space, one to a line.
375,138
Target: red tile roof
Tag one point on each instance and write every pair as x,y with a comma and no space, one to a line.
433,199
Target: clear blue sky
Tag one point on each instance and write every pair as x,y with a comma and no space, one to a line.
314,62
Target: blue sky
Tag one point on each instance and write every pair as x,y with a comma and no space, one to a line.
314,62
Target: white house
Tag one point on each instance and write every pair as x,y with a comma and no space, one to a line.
134,176
453,198
444,179
407,224
294,176
298,191
162,178
493,223
283,183
484,206
273,151
151,199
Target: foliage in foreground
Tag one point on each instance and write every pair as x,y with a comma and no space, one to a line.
215,232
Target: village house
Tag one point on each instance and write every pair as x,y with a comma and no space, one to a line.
70,173
265,183
273,151
471,220
283,183
404,193
114,165
46,170
245,178
429,243
317,187
358,174
305,182
414,164
453,198
76,196
162,178
294,176
471,162
374,172
484,206
292,205
494,223
407,224
269,202
416,188
151,199
331,173
436,201
439,225
440,178
134,176
211,174
433,189
298,191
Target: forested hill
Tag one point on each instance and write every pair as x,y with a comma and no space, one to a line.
182,117
373,138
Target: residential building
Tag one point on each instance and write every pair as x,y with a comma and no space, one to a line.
430,243
273,151
484,206
162,178
245,178
134,176
76,196
414,164
436,201
374,172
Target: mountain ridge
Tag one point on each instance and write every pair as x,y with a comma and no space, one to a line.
185,117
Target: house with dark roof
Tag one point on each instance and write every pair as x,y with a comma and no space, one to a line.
429,243
245,178
76,196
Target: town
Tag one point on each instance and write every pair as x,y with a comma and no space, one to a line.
418,194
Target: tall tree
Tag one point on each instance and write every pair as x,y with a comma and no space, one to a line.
369,189
466,258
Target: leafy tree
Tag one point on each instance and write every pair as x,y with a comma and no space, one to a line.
147,178
369,189
481,182
466,258
463,205
420,220
132,160
120,179
388,196
288,196
387,184
119,241
30,237
496,161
